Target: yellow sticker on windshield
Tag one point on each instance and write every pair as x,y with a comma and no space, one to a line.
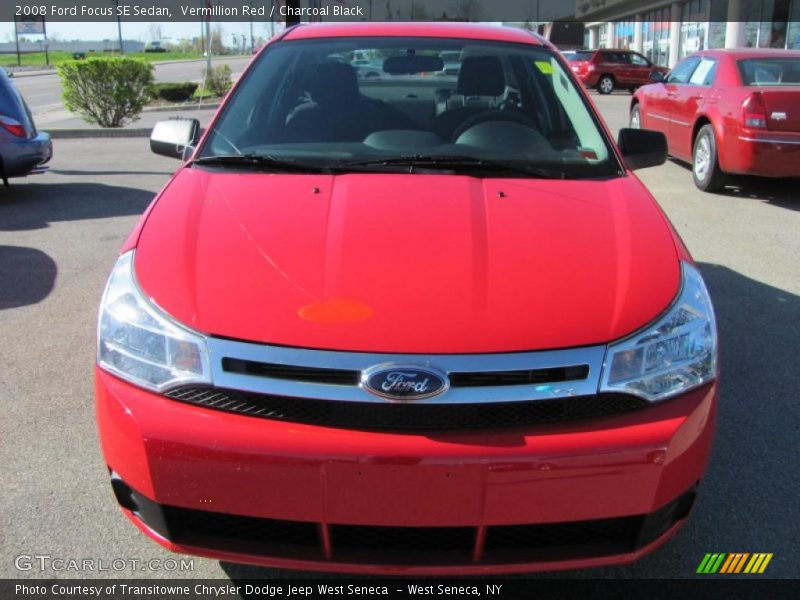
545,67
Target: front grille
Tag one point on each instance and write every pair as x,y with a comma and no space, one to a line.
408,417
457,379
522,377
291,372
559,539
525,543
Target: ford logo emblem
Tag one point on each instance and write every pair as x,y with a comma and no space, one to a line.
404,382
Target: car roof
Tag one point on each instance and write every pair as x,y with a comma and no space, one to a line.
742,53
471,31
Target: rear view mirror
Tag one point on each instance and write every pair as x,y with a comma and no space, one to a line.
408,65
174,137
642,148
657,77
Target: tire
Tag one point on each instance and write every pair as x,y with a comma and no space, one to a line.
635,121
605,85
706,172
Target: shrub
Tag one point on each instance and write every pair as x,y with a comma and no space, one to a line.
175,92
218,79
106,91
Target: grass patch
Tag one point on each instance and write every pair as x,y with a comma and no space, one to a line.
59,56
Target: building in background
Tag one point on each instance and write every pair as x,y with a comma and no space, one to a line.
666,31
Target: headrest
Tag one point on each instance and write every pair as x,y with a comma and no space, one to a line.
481,76
333,83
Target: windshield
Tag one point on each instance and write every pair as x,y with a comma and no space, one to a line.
377,103
770,71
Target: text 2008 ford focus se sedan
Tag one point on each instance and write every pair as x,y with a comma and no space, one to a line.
417,323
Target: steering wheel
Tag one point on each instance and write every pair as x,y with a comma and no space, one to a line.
493,115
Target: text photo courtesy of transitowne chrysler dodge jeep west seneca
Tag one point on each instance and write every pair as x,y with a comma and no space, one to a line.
422,323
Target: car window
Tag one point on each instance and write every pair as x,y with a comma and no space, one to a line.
770,71
639,60
704,72
578,55
615,57
305,100
683,70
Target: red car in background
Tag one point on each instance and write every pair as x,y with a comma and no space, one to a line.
426,325
609,69
728,112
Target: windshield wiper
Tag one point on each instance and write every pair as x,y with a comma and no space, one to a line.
261,162
455,163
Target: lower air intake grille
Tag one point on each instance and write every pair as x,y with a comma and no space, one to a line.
369,544
408,417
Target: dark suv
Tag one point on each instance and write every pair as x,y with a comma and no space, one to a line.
608,69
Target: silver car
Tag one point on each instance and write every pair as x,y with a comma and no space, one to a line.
23,149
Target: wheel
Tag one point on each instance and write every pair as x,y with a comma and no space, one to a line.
605,84
706,172
636,117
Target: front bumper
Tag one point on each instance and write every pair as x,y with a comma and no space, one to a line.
290,495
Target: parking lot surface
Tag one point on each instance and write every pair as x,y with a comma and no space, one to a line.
60,233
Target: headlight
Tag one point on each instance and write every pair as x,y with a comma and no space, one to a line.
675,354
141,344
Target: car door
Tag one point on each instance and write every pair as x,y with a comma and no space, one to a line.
664,111
623,68
689,99
640,69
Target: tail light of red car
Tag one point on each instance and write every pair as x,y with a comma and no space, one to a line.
13,126
754,112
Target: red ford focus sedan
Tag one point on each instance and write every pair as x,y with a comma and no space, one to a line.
419,323
728,112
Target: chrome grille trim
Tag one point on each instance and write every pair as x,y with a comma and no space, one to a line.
327,359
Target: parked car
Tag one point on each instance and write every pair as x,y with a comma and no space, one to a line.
728,112
452,62
608,69
368,68
23,149
345,340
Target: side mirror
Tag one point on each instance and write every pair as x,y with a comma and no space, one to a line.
642,148
174,137
657,77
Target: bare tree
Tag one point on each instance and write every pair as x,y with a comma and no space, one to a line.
154,32
216,39
468,10
417,12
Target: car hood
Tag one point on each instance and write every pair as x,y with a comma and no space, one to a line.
407,263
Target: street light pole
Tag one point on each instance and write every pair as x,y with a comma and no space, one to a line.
119,26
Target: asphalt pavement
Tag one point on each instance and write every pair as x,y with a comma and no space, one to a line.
60,233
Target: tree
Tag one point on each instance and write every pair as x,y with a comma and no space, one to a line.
106,91
417,11
216,39
468,10
154,32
